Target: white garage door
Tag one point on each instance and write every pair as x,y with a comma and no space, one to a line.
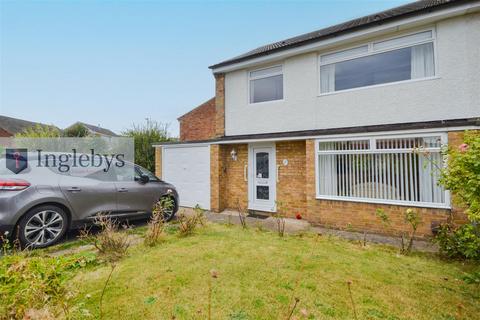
188,169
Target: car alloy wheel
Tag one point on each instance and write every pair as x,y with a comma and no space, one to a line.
44,228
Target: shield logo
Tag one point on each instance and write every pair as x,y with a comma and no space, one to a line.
17,159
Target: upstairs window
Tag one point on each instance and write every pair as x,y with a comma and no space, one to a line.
266,84
398,59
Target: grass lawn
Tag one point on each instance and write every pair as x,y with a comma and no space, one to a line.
259,274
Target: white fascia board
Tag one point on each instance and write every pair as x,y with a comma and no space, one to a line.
361,134
356,35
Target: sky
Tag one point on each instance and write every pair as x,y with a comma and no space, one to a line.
115,63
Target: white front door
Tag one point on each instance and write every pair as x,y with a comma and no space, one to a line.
262,177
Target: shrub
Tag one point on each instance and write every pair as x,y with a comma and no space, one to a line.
188,224
459,243
40,131
462,177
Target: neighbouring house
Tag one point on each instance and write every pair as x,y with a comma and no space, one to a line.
199,123
338,122
94,130
11,126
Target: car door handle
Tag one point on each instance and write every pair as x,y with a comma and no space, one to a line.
122,190
74,189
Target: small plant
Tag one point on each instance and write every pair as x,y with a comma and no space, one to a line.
9,247
188,224
279,217
383,216
111,244
200,213
242,214
156,225
414,220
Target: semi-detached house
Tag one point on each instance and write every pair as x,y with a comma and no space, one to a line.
338,122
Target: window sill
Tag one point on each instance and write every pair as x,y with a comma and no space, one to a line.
377,86
387,202
265,102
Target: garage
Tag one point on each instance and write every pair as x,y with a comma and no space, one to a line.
188,169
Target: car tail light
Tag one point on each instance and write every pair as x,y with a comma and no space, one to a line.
13,184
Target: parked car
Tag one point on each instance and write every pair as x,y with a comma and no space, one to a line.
38,205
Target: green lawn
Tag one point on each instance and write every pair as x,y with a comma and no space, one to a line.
259,274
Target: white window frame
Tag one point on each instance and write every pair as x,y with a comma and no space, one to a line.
371,51
249,78
373,149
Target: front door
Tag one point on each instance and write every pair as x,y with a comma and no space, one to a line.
262,177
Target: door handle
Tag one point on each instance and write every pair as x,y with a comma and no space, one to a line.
122,190
74,189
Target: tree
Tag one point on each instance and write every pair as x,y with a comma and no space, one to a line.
76,131
145,135
39,131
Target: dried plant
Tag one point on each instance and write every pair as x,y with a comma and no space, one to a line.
213,275
200,213
242,214
279,217
156,225
349,285
188,224
111,244
290,314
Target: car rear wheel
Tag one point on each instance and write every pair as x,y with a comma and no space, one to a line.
42,226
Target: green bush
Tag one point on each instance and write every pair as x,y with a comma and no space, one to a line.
462,177
459,243
37,283
145,135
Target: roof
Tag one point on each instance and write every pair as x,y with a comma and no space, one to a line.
410,9
95,129
212,100
14,125
437,124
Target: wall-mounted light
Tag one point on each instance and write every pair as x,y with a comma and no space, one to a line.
233,154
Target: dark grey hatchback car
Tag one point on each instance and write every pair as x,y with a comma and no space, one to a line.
38,205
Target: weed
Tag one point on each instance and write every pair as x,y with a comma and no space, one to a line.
112,246
242,215
349,285
188,224
156,225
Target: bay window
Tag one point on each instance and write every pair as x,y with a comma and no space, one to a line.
398,59
399,170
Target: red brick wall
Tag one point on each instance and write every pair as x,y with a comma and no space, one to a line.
4,133
198,124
